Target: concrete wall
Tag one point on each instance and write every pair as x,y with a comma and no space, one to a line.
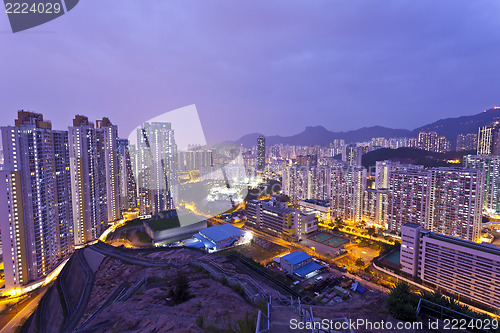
162,235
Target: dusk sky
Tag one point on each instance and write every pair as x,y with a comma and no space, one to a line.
272,67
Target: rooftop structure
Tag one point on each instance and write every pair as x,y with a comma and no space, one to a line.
296,257
218,237
171,226
300,264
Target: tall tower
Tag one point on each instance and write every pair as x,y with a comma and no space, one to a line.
352,154
428,141
487,139
296,183
346,191
94,177
456,202
127,184
491,167
107,135
35,202
261,153
408,198
156,171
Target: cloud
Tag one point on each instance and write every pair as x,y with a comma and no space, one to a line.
257,66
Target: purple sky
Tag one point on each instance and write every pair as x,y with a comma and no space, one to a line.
257,66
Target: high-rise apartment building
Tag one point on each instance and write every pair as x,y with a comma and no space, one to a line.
456,202
296,183
466,142
445,200
428,141
443,145
127,184
487,139
408,198
382,172
346,192
491,167
35,201
336,147
375,206
319,183
432,142
195,158
107,138
94,177
352,154
412,142
87,180
261,153
64,209
309,161
156,168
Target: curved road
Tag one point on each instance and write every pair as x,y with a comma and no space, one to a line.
23,314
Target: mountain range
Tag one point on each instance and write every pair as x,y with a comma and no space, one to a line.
318,135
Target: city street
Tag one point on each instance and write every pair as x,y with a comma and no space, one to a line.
21,311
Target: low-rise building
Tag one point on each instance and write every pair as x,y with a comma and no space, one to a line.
273,216
219,237
170,226
319,207
307,223
300,264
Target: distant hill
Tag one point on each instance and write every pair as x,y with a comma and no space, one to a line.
413,156
451,127
318,135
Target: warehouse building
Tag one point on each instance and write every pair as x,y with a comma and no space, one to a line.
300,264
219,237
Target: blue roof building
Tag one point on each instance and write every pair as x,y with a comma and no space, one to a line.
218,237
300,264
296,257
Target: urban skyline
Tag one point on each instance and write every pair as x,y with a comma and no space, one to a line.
264,167
65,190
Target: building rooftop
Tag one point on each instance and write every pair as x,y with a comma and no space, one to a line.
202,242
307,269
490,248
296,257
163,224
221,232
318,202
277,209
411,225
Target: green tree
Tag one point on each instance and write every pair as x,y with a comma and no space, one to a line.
402,303
359,263
180,292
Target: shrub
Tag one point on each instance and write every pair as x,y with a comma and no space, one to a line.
180,292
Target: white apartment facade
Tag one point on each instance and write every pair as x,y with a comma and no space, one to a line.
491,167
459,267
35,203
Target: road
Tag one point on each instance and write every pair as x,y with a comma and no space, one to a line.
19,317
